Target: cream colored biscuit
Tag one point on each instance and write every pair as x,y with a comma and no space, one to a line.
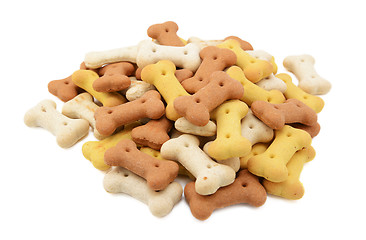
255,130
204,43
137,89
67,131
271,82
184,126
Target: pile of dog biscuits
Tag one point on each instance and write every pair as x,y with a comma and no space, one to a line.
215,111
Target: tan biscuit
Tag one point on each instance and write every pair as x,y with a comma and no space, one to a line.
213,59
312,130
153,134
148,106
243,44
277,115
158,174
165,34
114,77
245,189
197,107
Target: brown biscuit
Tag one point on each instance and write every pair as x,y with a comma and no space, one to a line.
153,134
213,59
312,130
197,107
165,34
245,189
243,44
276,116
148,106
114,77
180,74
157,173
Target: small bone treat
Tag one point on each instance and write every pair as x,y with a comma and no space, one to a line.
277,115
292,91
158,174
67,131
302,66
256,149
137,89
165,34
197,107
312,130
161,75
271,164
184,126
180,74
243,44
82,107
148,106
114,77
254,69
209,175
161,203
94,150
99,59
263,55
272,82
245,189
252,91
255,130
85,79
292,188
153,134
229,141
184,57
213,59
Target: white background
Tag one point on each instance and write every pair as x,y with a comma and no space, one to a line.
51,193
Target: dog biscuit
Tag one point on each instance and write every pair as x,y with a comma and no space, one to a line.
263,55
209,175
257,148
243,44
184,126
114,77
292,91
67,131
271,164
255,130
165,33
245,189
252,91
204,43
312,130
229,141
233,162
137,89
85,79
161,203
302,66
272,82
161,75
148,106
197,107
292,188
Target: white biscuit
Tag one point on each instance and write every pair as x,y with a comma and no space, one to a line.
184,126
137,89
255,130
204,43
271,82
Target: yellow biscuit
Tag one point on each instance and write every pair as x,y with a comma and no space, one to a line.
314,102
156,154
292,188
162,76
274,65
256,149
271,164
229,141
252,92
254,69
94,150
85,78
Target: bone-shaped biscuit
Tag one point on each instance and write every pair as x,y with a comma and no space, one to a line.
180,74
114,77
292,188
263,55
158,174
165,33
98,59
85,79
252,91
277,115
233,162
209,175
254,69
229,141
213,59
197,107
137,89
255,130
161,75
120,180
184,126
302,66
67,131
245,189
184,57
256,149
148,106
243,44
272,82
82,107
94,150
271,164
153,134
292,91
312,130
